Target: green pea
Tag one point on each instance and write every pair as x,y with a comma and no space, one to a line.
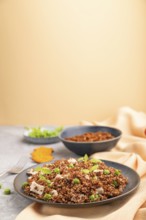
57,170
49,183
71,165
97,196
24,184
115,183
92,197
117,172
95,178
106,172
47,196
76,181
7,191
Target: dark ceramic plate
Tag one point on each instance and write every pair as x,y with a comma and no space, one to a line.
132,185
50,140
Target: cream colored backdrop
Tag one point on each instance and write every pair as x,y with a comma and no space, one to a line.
62,61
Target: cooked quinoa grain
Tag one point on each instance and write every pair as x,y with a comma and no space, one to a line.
91,137
75,181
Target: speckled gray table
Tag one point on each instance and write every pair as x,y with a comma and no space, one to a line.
12,147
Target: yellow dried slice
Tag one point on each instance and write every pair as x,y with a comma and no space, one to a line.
42,154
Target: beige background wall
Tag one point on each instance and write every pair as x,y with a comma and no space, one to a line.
62,61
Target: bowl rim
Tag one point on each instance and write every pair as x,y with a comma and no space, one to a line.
90,142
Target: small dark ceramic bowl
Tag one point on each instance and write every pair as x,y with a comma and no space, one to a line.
82,148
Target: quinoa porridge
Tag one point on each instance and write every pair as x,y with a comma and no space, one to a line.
72,180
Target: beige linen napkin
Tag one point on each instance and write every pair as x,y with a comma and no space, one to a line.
131,208
131,151
133,126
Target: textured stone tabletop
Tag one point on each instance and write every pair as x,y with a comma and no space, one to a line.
12,147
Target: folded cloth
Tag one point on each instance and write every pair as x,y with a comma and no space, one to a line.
128,120
133,126
130,208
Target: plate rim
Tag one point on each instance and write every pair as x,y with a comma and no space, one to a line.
77,205
50,140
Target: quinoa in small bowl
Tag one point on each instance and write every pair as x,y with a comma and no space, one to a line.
89,139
